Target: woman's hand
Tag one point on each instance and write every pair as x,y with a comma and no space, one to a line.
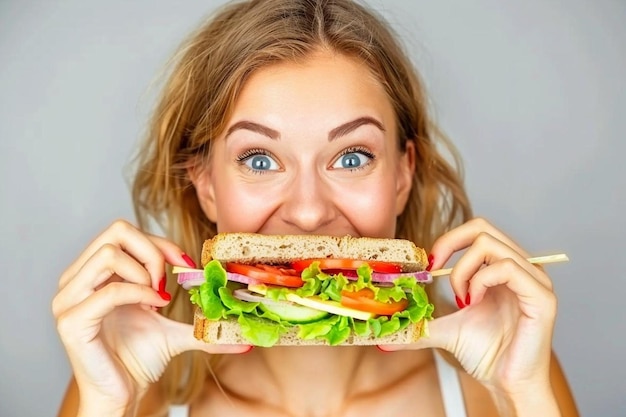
502,334
105,310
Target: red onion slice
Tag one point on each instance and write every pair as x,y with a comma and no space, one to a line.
247,295
423,277
195,279
191,279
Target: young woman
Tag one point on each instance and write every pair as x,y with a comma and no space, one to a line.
297,117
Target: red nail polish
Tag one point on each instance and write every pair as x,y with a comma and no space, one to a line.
467,299
164,294
431,259
188,260
459,303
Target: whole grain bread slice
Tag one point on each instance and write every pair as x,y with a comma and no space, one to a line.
252,248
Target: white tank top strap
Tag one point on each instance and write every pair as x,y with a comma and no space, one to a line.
451,391
179,410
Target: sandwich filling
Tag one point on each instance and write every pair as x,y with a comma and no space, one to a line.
326,299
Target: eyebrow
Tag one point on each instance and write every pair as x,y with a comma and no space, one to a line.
348,127
337,132
254,127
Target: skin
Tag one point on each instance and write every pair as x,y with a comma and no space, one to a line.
299,121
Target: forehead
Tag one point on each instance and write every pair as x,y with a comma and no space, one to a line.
326,86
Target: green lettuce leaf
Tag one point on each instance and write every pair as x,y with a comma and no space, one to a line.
234,305
339,332
207,295
360,327
334,330
317,329
260,332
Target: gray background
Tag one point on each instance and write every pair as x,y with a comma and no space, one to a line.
532,92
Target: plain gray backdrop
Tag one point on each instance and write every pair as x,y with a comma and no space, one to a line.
532,93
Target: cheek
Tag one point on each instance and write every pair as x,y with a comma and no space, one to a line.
242,208
370,207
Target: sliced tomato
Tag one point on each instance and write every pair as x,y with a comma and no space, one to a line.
363,300
347,264
278,269
267,274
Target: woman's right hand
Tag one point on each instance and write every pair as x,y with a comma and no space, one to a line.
105,311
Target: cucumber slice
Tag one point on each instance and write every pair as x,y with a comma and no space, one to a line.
294,314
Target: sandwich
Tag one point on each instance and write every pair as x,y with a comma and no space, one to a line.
279,290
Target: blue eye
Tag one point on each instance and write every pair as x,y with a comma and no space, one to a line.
353,159
258,160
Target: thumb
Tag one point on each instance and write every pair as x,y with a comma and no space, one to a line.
440,333
180,339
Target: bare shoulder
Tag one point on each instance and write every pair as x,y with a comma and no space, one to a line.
478,401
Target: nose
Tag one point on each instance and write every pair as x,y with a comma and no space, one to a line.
308,203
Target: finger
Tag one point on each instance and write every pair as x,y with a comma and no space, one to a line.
485,250
535,300
108,261
181,339
462,237
129,239
151,251
441,334
88,314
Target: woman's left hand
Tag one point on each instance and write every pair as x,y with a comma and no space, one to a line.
502,335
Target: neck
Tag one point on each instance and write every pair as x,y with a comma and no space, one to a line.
321,372
312,380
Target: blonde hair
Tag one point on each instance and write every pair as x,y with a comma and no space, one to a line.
197,99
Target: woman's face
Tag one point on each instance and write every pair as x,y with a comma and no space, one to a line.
310,148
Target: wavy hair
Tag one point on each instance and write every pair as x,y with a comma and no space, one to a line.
203,82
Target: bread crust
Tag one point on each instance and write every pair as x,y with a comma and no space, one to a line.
228,332
251,248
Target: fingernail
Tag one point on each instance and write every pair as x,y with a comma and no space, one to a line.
467,299
164,294
249,350
188,260
381,349
431,259
459,303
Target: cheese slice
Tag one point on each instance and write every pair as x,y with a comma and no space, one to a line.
329,306
317,303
